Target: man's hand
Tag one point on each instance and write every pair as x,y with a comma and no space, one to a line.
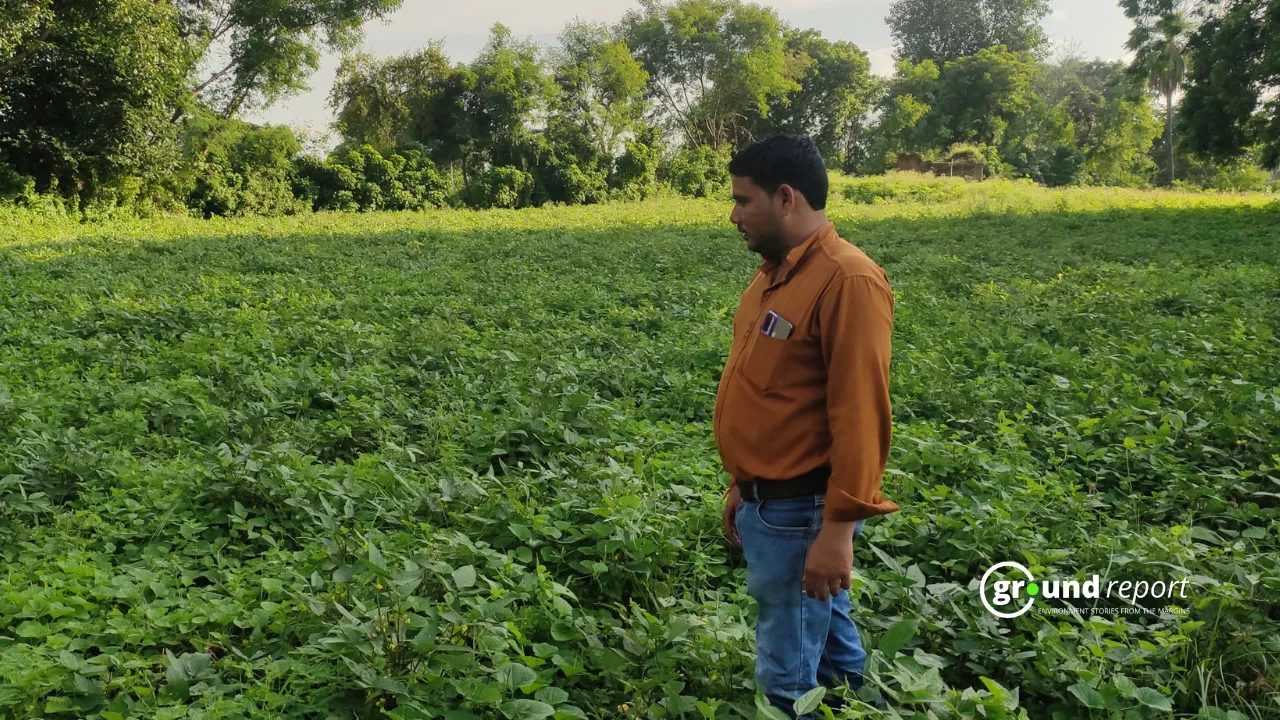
829,563
730,516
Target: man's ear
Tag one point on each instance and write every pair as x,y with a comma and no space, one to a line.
788,196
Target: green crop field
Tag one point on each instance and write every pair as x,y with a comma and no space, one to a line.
459,464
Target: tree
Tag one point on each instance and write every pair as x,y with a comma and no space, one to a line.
446,126
904,119
1111,122
512,85
234,168
269,47
1159,42
980,95
85,89
983,100
380,102
1234,65
944,30
18,22
712,64
601,86
475,115
836,92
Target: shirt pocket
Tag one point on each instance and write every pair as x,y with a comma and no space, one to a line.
765,363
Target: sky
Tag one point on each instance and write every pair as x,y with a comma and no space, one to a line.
1095,28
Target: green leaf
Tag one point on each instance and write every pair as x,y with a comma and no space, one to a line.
479,692
1153,698
998,691
375,557
189,667
464,577
561,606
679,704
809,702
1087,695
1200,532
766,711
86,686
770,713
551,695
515,675
1124,685
678,626
562,630
32,629
897,636
525,709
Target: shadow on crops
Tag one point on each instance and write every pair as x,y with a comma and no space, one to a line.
1028,240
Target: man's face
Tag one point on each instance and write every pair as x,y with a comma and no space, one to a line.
758,216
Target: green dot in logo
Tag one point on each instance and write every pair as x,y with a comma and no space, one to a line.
1033,589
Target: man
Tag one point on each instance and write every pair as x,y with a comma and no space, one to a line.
802,418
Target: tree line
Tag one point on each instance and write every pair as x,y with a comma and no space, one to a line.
138,104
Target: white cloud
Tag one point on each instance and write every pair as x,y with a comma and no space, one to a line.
881,61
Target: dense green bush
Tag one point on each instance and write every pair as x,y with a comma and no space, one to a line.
502,187
19,191
1063,166
234,168
566,181
560,171
698,172
365,179
908,186
325,185
635,172
1239,177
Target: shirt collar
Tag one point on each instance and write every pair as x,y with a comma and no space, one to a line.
787,267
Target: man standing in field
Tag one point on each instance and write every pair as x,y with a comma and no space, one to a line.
802,418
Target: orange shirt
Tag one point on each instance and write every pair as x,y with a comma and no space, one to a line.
820,397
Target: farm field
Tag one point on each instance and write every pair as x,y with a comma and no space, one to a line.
459,464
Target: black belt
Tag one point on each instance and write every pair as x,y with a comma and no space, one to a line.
810,483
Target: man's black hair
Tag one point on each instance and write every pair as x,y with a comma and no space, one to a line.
785,160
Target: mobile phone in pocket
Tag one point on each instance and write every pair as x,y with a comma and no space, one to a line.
776,326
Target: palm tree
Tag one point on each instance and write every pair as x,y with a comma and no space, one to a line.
1159,43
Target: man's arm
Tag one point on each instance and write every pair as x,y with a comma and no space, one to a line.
855,320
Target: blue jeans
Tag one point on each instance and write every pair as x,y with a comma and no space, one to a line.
800,641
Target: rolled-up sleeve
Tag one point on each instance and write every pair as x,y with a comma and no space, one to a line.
855,320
